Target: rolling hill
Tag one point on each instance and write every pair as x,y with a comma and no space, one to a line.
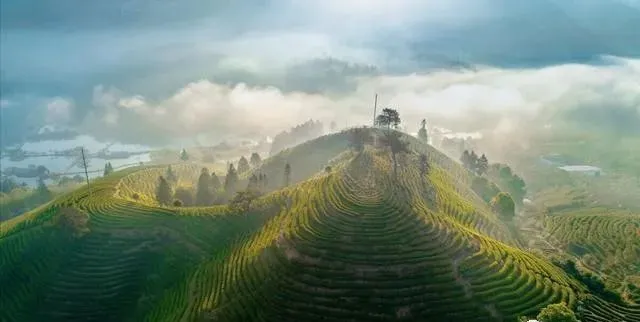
356,243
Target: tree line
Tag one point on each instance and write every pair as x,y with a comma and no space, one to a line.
503,196
211,190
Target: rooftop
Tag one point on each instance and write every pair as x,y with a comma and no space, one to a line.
579,168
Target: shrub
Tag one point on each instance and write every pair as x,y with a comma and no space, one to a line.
73,221
503,205
557,313
177,203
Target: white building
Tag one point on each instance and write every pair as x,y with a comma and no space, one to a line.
583,169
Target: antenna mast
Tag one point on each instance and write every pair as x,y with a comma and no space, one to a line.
375,108
86,173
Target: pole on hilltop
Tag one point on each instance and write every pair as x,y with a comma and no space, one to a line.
375,107
86,171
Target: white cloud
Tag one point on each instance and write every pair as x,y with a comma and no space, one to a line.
206,107
58,110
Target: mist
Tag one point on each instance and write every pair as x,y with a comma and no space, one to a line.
150,72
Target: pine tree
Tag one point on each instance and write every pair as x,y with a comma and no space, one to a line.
287,174
183,155
473,161
170,175
255,160
204,196
231,181
215,182
108,169
483,165
163,191
243,165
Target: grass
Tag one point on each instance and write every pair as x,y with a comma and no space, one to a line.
355,244
22,200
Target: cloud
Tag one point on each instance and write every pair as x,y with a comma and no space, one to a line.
145,52
58,110
485,97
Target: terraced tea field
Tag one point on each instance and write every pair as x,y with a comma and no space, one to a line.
609,241
355,244
143,183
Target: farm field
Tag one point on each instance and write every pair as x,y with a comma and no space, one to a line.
356,243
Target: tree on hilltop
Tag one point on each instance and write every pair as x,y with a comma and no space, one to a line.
396,146
108,169
243,165
389,118
557,313
255,160
504,206
204,197
422,133
287,174
163,191
183,155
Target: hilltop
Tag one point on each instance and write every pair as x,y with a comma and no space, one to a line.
356,243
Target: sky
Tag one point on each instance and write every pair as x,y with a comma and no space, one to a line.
149,71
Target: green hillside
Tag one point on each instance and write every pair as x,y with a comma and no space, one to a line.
354,244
